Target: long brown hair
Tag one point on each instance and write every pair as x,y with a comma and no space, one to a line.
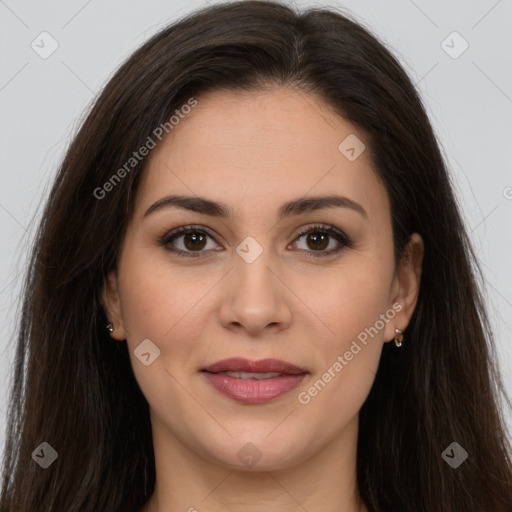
74,388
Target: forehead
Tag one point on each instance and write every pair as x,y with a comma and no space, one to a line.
261,147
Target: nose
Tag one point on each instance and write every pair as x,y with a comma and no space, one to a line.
256,297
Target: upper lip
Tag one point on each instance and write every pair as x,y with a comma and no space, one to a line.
240,364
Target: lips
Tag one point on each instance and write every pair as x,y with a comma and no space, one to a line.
239,364
253,382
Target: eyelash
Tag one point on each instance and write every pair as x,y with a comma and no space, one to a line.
341,237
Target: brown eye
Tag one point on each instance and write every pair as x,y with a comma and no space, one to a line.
191,241
187,241
318,239
194,240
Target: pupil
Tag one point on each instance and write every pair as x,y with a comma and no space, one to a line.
195,239
316,241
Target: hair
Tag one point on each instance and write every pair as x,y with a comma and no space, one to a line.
75,389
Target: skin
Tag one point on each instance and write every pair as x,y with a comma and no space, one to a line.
253,151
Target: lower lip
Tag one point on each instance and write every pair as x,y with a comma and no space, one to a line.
252,391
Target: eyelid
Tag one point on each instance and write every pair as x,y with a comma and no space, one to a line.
342,238
328,229
183,230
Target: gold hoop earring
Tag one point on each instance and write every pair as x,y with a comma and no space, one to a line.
399,338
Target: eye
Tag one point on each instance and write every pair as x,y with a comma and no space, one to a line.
194,240
317,238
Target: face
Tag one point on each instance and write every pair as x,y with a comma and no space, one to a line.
313,285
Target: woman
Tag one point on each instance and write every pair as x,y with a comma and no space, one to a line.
251,289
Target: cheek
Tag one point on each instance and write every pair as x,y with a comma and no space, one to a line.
351,303
154,296
356,309
161,307
334,397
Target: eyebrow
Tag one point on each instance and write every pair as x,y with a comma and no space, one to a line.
295,207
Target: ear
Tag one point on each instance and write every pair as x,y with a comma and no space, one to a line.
112,305
406,285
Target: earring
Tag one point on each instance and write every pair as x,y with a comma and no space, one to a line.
399,338
110,328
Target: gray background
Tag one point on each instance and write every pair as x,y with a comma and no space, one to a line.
469,99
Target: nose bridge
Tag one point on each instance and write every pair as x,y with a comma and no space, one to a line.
255,296
252,274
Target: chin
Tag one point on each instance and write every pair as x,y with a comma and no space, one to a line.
257,455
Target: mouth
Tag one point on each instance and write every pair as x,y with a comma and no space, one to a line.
253,382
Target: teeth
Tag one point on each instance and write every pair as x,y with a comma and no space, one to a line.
249,375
